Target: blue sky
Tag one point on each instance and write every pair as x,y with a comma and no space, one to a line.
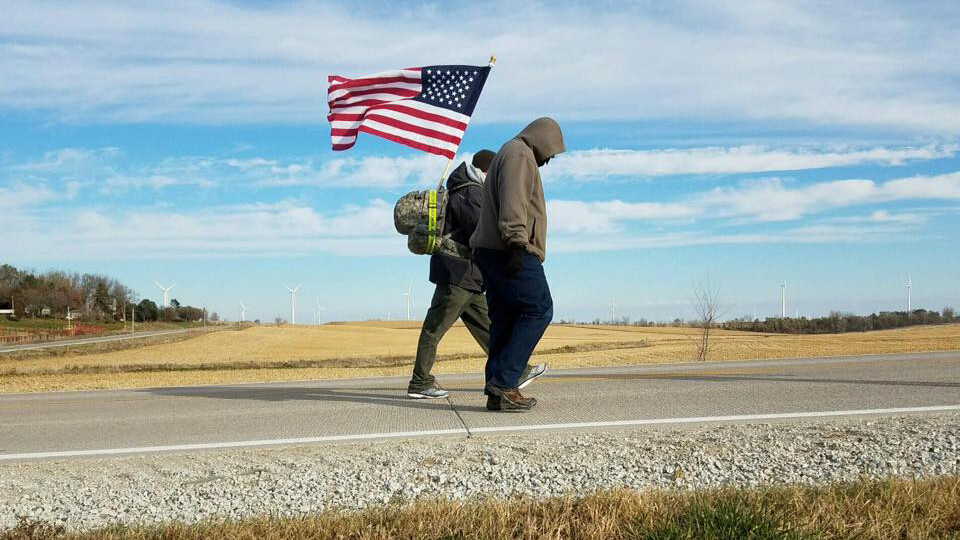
745,143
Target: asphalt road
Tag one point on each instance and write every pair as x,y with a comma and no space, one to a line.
87,341
75,424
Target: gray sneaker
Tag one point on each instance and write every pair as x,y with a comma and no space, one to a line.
530,373
433,392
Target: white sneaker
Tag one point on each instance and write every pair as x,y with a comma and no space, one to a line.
535,372
430,393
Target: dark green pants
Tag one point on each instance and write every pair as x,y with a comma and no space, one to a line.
449,304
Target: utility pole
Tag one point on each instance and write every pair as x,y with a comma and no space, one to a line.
133,318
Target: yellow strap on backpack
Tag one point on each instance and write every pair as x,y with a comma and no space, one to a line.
432,222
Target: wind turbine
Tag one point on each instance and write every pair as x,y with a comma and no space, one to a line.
783,300
293,302
319,309
909,293
243,312
409,295
165,290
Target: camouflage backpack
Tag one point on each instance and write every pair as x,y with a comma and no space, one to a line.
420,215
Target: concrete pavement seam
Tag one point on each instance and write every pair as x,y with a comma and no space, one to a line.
459,417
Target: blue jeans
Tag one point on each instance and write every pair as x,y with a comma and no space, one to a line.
520,309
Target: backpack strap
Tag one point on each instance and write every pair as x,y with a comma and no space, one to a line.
432,222
464,185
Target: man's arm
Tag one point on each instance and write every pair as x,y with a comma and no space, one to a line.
516,177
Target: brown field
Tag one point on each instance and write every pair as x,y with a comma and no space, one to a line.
269,353
893,509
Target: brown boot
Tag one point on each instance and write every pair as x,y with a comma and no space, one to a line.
512,399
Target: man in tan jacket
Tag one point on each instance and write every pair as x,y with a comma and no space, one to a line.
510,245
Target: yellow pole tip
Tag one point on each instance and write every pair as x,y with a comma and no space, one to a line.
493,60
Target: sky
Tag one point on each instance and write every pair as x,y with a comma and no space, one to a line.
741,143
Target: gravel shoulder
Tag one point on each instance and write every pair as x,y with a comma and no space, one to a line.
84,494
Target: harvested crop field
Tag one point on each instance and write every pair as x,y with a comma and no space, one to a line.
269,353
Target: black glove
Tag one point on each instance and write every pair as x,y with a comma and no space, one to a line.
515,260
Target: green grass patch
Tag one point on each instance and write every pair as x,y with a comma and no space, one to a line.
718,521
32,325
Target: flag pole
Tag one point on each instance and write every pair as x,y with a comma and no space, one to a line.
443,176
492,62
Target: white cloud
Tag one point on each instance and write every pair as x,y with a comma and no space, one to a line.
105,170
814,234
767,200
601,164
609,216
885,216
259,230
252,163
292,227
366,172
20,196
860,62
774,200
68,160
116,184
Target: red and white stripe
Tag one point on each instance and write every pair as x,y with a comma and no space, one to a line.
380,105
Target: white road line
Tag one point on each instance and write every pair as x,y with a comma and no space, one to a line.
733,418
407,434
237,444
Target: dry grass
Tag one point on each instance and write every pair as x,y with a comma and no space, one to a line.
349,362
384,349
901,509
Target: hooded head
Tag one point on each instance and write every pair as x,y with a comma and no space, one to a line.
482,159
544,137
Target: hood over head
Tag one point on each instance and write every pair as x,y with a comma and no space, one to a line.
483,159
465,173
544,137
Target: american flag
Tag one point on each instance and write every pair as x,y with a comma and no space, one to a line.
427,108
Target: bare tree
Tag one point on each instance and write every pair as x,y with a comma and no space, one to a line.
706,303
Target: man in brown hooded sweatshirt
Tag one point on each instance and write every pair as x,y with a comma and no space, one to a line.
510,245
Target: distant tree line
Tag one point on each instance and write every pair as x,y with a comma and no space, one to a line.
148,311
837,323
834,323
89,297
627,321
